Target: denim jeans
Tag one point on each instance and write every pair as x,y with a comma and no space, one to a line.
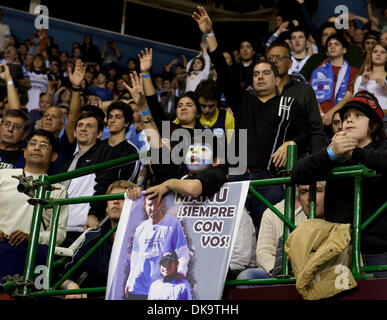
254,206
374,259
253,273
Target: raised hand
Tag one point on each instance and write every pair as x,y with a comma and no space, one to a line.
283,27
343,144
157,191
77,76
5,74
134,193
145,58
137,89
203,20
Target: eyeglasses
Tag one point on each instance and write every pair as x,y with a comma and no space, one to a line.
42,144
14,125
276,57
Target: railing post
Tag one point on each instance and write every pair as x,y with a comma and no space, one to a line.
289,205
356,231
34,234
52,242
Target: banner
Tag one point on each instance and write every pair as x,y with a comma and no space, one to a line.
196,235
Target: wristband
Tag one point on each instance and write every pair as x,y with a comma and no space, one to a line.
149,120
65,287
144,113
9,83
76,88
206,35
331,154
145,75
170,186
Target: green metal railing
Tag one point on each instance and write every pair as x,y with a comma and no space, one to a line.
25,287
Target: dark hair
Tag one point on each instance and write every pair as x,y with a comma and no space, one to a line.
353,22
44,133
132,59
159,207
91,114
372,34
17,113
125,108
282,44
208,89
339,38
377,132
272,66
45,94
300,29
192,96
42,59
123,94
193,60
324,26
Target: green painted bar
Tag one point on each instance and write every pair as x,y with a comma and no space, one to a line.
373,268
356,233
59,262
45,293
270,182
272,208
52,242
374,216
104,197
291,158
85,257
34,236
91,169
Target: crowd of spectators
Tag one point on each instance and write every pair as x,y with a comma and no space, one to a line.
84,108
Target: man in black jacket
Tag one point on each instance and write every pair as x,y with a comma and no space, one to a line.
280,54
272,122
362,141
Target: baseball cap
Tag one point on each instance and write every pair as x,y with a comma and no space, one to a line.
169,255
370,108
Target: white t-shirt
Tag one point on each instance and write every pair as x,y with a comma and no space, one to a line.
39,82
16,213
374,88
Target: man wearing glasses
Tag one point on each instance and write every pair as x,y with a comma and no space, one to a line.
272,121
280,54
16,213
13,129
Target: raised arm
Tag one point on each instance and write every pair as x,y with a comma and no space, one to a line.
145,57
226,78
205,25
283,28
13,98
371,16
138,95
75,78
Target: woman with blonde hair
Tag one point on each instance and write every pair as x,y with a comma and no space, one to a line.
373,75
